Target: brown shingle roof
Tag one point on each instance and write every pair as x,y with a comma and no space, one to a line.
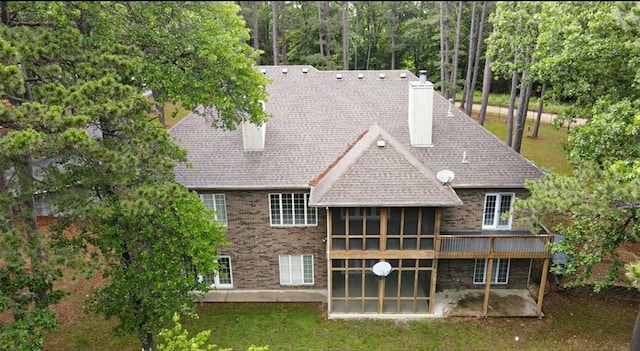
316,117
369,174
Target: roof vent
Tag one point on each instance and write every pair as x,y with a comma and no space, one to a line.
464,157
403,75
339,76
449,112
305,70
360,76
284,71
381,143
263,70
382,76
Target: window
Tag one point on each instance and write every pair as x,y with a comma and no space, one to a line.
296,269
292,209
216,203
223,278
495,207
42,205
499,274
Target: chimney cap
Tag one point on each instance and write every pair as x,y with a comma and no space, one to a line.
423,77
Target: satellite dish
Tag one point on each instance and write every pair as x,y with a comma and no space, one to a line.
381,269
445,176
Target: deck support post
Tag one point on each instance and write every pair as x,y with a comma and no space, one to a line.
543,286
487,287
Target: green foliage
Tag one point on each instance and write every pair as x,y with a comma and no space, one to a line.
612,134
154,236
633,273
586,51
194,53
177,339
76,128
587,54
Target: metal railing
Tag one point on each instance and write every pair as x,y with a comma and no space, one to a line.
493,246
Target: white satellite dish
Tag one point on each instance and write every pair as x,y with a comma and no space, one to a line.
381,269
445,176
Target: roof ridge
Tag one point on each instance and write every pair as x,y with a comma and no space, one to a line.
322,184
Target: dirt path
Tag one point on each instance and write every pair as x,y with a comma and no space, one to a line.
546,117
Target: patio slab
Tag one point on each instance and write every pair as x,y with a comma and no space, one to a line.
502,303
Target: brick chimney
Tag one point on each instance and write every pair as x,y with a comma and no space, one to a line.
421,111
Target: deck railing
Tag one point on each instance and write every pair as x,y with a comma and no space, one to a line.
493,246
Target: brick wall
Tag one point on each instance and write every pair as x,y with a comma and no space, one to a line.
469,216
255,244
458,274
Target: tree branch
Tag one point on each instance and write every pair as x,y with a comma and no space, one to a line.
15,98
625,204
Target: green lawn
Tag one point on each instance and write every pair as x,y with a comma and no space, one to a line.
569,324
546,151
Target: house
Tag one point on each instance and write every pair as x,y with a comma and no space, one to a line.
366,190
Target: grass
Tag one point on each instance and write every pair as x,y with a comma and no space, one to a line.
605,325
545,151
170,109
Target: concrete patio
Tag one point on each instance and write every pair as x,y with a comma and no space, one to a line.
502,303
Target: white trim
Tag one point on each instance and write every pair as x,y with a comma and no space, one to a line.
290,273
497,210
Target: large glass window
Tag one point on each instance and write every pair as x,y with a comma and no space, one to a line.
223,278
296,269
496,208
291,209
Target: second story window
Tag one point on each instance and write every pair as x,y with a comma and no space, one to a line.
291,209
497,209
216,202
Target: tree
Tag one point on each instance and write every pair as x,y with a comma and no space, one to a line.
345,35
177,339
586,52
149,279
633,274
193,52
470,57
76,127
510,46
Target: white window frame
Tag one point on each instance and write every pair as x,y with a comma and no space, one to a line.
216,281
497,210
499,266
287,273
308,222
218,215
42,205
